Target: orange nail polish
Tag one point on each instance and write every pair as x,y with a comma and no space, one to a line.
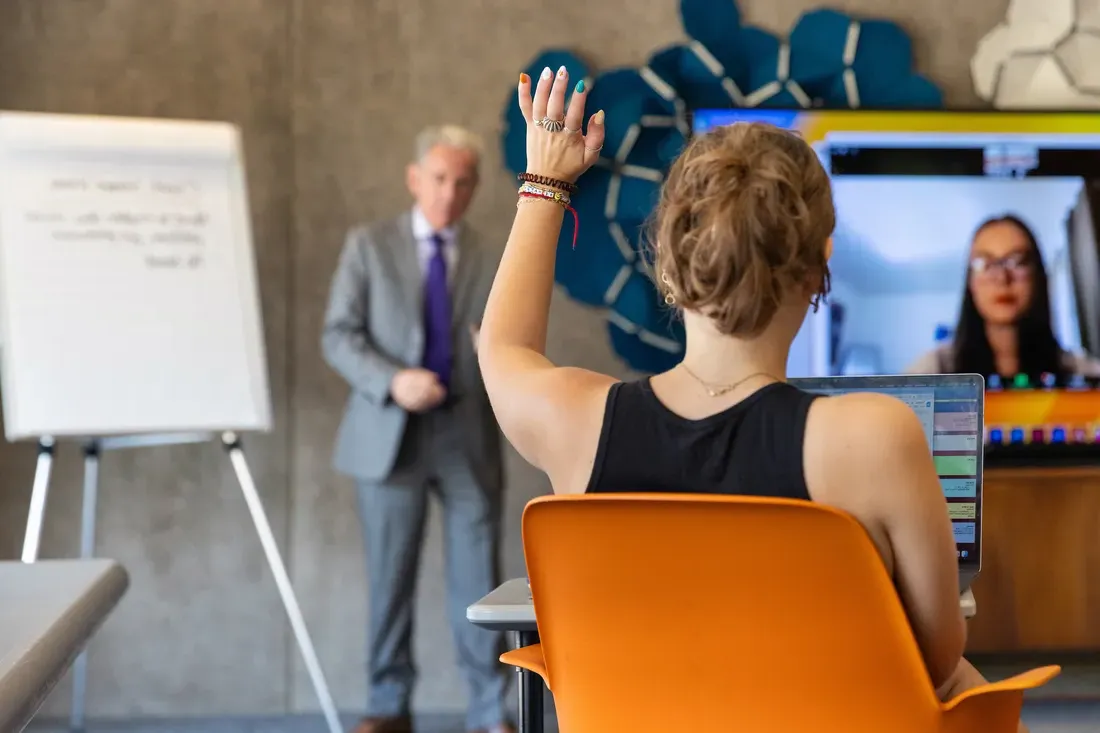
523,78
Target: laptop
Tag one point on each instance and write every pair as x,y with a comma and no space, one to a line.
952,409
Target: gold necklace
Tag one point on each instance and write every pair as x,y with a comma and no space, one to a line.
717,390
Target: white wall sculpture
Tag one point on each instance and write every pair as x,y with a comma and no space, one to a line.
1045,54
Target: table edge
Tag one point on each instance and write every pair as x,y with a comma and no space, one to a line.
30,681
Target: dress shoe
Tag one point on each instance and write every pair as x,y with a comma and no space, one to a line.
384,725
500,728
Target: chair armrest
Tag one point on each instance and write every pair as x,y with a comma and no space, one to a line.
994,707
1024,681
528,658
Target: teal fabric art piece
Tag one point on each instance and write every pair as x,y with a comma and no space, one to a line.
828,60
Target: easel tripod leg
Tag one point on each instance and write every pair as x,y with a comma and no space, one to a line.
282,579
39,491
87,551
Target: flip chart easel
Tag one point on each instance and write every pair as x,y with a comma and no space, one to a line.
129,310
231,443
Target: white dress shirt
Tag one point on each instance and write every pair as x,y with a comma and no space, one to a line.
425,247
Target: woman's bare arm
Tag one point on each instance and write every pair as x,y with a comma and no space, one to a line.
871,451
545,411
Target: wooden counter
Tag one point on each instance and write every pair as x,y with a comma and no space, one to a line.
1039,589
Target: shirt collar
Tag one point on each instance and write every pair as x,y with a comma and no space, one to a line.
423,231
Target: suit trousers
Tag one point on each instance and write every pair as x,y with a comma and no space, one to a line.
432,460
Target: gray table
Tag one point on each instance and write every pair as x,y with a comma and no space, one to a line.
48,612
510,608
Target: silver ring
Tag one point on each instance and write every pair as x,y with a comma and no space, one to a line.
551,125
571,131
594,150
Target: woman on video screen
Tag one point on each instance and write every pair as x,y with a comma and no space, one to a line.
1004,322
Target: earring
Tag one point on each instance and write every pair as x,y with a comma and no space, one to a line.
670,299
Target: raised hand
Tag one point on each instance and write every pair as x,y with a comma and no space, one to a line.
557,146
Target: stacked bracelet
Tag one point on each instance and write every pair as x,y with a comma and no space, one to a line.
547,181
531,191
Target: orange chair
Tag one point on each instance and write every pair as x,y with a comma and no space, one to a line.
693,614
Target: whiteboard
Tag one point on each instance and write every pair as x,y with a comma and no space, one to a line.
128,291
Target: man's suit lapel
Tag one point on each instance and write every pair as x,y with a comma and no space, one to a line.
408,268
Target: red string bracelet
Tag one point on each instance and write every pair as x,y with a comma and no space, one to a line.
564,204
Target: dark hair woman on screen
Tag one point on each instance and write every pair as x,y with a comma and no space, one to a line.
1004,325
742,237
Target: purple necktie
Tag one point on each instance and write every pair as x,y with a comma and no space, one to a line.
437,315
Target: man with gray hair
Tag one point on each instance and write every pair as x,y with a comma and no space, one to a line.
400,328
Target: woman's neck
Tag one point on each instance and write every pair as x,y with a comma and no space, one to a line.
1004,342
720,359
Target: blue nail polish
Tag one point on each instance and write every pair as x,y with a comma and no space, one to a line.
580,86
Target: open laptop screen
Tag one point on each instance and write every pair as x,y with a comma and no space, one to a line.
950,408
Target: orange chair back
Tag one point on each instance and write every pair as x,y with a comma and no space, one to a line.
719,613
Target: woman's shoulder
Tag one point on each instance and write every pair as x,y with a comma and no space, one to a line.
859,429
860,414
1080,363
934,361
855,445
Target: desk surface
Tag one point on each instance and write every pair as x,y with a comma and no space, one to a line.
509,607
48,611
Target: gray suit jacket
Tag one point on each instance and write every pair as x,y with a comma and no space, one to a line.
374,327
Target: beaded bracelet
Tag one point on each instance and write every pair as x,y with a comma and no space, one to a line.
548,181
550,193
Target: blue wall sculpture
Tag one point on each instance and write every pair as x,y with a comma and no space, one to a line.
829,60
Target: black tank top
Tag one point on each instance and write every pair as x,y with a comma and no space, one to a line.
754,448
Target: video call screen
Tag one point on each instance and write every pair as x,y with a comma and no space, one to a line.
965,243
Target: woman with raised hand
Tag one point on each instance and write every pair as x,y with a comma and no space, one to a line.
741,238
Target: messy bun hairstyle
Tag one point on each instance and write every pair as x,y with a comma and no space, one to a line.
743,219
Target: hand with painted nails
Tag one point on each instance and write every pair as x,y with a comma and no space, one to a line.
557,145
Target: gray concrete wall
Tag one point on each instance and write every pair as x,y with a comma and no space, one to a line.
329,94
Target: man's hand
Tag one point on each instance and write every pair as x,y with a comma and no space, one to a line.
417,390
